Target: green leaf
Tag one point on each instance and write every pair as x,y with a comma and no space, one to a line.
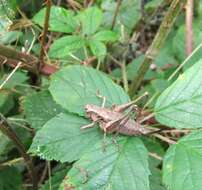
16,79
39,108
61,20
179,105
7,9
9,37
62,139
182,163
6,102
4,145
75,86
98,48
128,9
91,19
156,179
55,180
122,166
10,178
106,36
159,85
63,46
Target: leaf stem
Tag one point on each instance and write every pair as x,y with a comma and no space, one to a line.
168,21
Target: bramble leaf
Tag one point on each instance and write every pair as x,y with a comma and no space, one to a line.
75,86
39,108
63,46
91,19
62,139
106,36
120,166
181,167
61,20
179,105
98,48
6,102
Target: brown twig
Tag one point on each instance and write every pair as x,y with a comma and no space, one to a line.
189,31
8,131
44,34
44,173
118,5
167,23
12,57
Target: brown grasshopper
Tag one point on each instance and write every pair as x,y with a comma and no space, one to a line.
114,119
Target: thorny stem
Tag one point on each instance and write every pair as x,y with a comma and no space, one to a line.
44,34
189,31
119,2
168,21
8,131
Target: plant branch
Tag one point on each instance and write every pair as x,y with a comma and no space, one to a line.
44,34
189,31
116,13
167,23
12,57
8,131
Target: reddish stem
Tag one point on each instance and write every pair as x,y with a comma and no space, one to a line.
189,31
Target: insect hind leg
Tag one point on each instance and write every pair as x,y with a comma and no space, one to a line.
101,97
